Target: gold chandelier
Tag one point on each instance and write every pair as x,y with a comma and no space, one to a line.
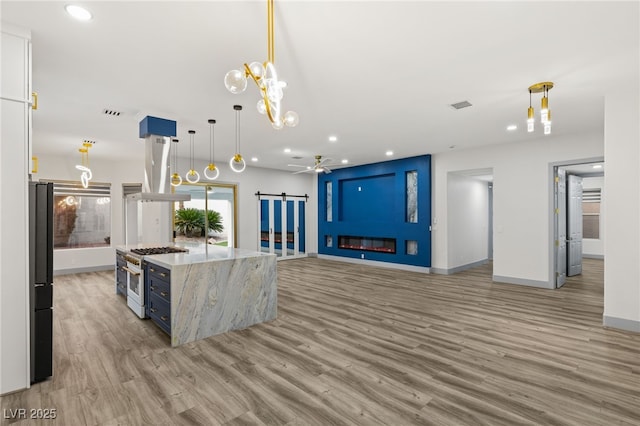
545,112
266,78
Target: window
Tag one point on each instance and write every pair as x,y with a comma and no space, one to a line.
81,217
591,199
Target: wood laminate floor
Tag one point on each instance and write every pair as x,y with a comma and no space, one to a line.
352,345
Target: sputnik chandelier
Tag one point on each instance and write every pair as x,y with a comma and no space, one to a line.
86,175
266,78
545,112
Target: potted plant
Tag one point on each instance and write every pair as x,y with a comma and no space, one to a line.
189,221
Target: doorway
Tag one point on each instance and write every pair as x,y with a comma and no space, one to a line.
469,219
577,197
209,217
282,225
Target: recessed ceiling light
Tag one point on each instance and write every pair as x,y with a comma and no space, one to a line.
512,127
333,138
597,166
345,161
78,12
389,153
287,150
254,159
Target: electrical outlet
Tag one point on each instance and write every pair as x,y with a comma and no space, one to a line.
361,255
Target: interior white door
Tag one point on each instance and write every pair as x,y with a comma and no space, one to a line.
574,225
560,210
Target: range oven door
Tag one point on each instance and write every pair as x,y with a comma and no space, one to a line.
135,288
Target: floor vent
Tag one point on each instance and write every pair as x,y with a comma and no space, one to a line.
460,105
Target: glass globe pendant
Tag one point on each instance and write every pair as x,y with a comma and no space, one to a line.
235,81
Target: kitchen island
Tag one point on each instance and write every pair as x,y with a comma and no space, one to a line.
209,290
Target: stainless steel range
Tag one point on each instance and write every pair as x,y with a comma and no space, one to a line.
134,269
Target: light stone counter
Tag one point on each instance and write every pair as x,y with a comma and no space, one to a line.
218,289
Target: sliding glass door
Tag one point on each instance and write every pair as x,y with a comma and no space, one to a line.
210,216
282,226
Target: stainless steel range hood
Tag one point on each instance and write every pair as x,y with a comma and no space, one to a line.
157,133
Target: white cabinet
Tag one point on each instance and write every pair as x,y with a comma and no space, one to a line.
15,163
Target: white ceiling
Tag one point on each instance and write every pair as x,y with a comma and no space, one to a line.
378,75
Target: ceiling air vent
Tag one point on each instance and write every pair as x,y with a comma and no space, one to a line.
111,112
460,105
297,157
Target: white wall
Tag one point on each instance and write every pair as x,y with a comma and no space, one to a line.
63,168
14,213
468,220
521,201
595,247
250,181
622,186
255,179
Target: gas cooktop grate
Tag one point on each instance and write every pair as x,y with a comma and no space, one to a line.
158,250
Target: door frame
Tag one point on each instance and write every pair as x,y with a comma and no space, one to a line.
283,199
551,212
204,185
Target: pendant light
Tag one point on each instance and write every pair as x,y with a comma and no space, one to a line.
211,168
530,119
192,176
176,180
86,175
545,112
237,163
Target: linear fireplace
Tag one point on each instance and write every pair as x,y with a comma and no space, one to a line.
379,245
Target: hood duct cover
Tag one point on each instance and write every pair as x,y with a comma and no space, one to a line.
157,133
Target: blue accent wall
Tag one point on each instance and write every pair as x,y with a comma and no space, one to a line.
370,201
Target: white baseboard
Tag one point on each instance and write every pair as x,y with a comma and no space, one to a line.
401,266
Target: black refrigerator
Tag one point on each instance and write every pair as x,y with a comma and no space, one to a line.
41,279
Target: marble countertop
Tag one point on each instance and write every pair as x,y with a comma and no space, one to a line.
198,253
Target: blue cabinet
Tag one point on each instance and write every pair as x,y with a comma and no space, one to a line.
158,295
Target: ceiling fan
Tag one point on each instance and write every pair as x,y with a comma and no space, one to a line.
319,166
